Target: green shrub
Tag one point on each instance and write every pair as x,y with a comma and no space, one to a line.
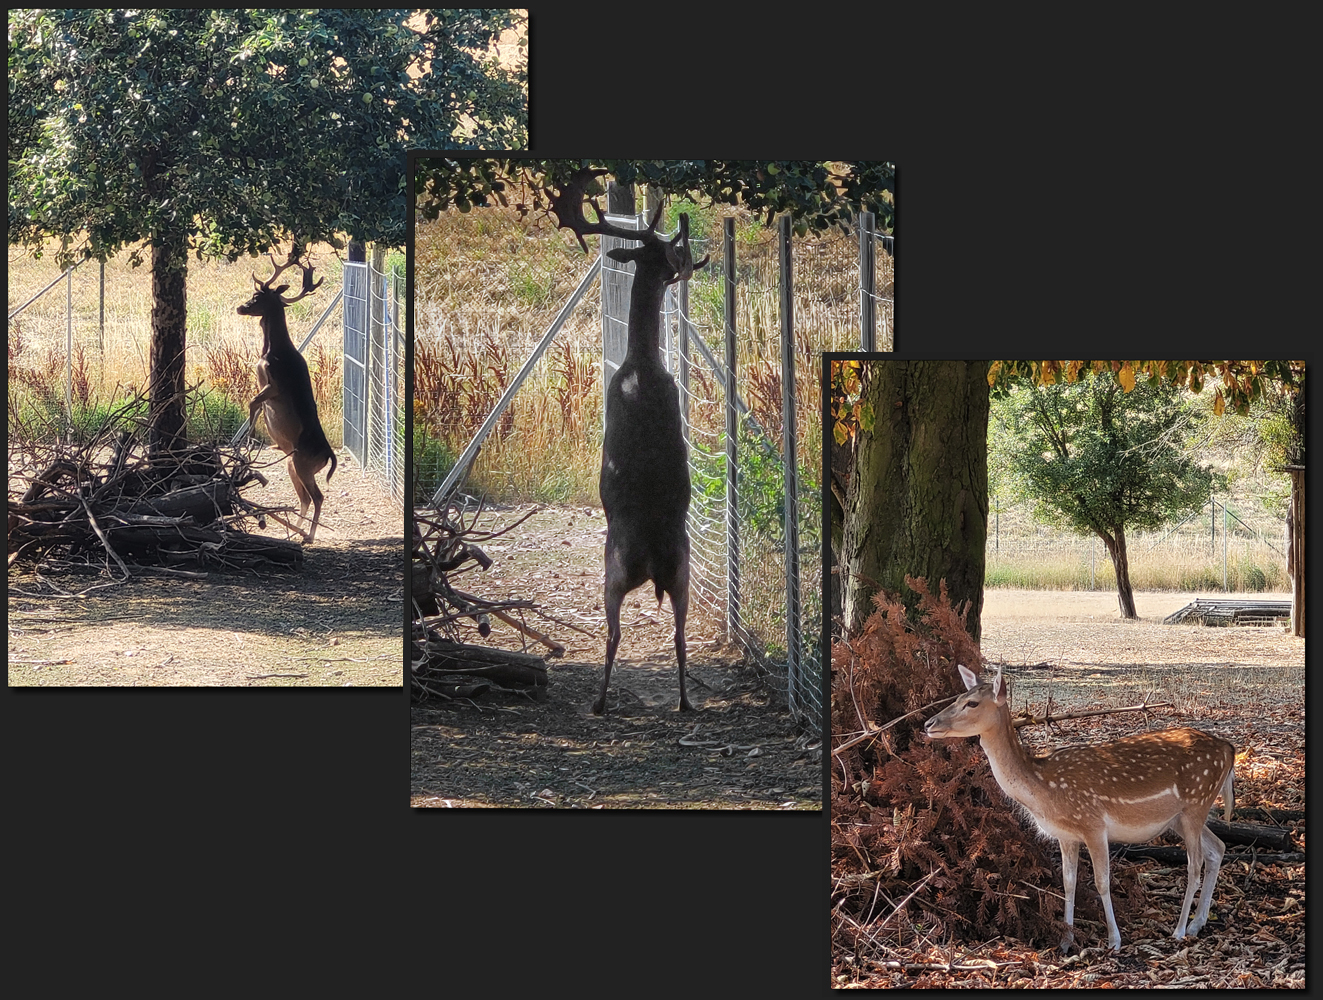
432,460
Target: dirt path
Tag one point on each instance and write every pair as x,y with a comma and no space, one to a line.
740,750
1098,660
338,622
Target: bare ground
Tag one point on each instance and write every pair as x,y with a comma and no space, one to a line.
338,622
739,750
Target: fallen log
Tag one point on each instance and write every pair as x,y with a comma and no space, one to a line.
444,657
204,503
1267,838
106,503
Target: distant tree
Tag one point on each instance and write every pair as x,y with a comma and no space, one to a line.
226,132
1097,459
933,457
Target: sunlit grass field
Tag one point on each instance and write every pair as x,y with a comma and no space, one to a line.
489,283
111,342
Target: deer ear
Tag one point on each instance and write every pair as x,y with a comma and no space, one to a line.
625,254
968,676
282,289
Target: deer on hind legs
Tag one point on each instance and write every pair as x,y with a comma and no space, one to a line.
285,396
644,482
1128,790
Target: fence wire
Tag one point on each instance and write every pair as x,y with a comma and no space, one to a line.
83,342
461,354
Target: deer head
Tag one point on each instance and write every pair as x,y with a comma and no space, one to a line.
268,296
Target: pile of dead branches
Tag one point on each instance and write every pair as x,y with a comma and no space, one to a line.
445,547
107,507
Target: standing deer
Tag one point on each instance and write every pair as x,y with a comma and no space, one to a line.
645,473
1128,790
285,391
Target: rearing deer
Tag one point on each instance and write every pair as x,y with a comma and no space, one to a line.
285,391
645,473
1129,790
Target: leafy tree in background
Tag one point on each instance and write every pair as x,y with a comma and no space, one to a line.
818,194
1097,459
898,433
226,132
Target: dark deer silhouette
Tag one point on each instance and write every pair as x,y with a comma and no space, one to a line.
645,471
285,391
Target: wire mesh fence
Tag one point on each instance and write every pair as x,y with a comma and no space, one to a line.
482,321
1231,545
374,415
756,547
79,341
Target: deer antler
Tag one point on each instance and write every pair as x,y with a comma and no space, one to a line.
567,206
677,252
309,286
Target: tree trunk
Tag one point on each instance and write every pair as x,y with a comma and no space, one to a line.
1296,554
917,501
1116,549
166,358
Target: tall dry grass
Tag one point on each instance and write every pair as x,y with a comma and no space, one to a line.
1036,557
111,362
488,284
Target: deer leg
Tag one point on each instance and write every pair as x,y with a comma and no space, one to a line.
1194,839
305,495
267,392
615,594
307,472
1102,878
680,605
1192,832
1213,849
1070,866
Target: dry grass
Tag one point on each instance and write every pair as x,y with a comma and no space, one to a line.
488,285
1033,556
108,365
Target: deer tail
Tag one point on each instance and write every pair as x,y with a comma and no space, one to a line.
333,465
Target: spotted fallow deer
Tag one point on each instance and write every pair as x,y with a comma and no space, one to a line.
1128,790
285,391
644,483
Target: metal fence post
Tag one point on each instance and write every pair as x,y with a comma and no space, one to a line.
68,345
791,469
867,284
684,361
733,624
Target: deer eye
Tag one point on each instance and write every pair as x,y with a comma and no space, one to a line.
971,704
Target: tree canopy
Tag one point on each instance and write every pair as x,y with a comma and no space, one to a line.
1236,382
241,127
819,194
1100,460
857,417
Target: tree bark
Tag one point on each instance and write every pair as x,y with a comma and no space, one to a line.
1296,553
1116,549
166,359
917,500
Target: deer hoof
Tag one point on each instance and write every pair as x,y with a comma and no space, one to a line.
599,706
685,706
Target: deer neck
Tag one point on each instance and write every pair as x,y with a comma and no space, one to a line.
1011,764
645,316
275,333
